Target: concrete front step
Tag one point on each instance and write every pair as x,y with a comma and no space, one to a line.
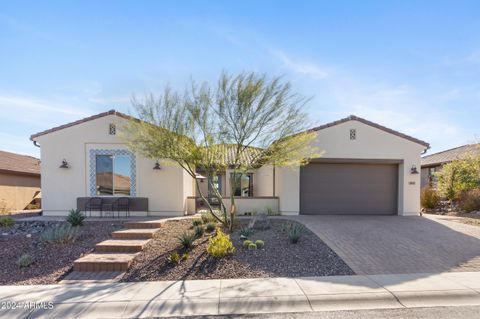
121,245
144,224
103,262
135,233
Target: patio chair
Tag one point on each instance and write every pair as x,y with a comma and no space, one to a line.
94,203
123,203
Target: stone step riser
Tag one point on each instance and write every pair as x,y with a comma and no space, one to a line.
97,267
132,235
118,249
140,225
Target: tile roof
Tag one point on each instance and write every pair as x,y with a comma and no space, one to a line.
90,118
19,163
227,155
378,126
450,155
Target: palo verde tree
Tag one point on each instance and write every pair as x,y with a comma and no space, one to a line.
247,115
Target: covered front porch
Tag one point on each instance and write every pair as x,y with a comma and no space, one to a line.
244,204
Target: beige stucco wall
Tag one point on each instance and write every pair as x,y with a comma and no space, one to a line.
244,204
17,190
370,143
165,188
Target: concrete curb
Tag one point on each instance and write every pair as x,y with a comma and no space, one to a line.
245,296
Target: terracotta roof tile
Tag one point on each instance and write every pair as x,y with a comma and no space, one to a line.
450,155
19,163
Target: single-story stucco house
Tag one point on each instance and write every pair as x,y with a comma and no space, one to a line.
433,163
19,182
366,168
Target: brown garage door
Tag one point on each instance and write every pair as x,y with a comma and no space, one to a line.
348,188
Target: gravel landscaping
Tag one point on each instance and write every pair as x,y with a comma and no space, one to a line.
50,261
279,258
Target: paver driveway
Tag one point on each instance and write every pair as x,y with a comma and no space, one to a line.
396,244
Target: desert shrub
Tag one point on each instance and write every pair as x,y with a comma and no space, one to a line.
187,239
252,246
459,176
295,232
246,232
198,231
429,197
207,217
470,200
7,221
210,227
220,245
173,258
260,221
271,212
246,243
60,235
197,222
75,217
25,260
259,243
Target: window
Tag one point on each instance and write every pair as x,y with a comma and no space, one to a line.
113,175
217,183
243,184
353,134
112,129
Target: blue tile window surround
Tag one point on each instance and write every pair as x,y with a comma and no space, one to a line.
93,168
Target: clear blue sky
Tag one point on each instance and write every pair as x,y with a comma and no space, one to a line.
413,66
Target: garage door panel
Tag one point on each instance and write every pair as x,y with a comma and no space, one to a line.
335,188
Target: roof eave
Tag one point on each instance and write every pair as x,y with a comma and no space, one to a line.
375,125
87,119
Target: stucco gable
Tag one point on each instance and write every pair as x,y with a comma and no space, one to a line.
372,124
84,120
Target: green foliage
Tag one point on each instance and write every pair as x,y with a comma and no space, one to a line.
208,218
252,246
429,197
246,243
25,260
75,217
6,221
210,227
60,235
295,231
198,230
246,231
197,127
259,243
197,222
173,258
470,200
459,176
187,239
271,212
220,245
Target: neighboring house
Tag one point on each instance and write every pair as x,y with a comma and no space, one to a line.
365,169
19,181
433,163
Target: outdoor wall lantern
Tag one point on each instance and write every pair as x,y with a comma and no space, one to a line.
157,166
413,170
64,164
200,177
